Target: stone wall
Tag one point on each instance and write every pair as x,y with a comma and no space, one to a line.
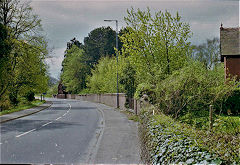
109,99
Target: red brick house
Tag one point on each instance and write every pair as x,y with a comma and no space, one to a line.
230,51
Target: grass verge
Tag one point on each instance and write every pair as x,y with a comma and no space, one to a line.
22,106
130,115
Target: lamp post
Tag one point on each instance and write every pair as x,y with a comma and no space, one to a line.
116,56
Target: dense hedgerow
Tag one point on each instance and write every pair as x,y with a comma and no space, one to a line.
165,141
188,93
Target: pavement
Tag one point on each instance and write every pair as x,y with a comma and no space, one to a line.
119,143
23,113
68,131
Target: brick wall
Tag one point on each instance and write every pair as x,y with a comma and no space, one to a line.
232,66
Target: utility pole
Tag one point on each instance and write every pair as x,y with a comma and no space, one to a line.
116,57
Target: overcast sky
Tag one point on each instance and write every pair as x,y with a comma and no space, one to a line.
64,19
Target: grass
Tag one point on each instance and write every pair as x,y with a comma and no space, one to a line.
131,116
22,106
221,123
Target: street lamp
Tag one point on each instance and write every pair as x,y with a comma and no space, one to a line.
116,55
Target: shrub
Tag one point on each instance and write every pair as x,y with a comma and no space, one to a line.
4,103
232,104
30,96
147,89
227,124
13,98
166,141
192,89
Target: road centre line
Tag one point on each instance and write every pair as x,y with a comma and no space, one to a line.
46,123
58,118
26,133
43,124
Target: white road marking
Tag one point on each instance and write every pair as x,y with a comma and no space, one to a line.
46,123
26,133
0,143
58,118
64,114
69,108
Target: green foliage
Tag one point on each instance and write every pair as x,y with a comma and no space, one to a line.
167,141
227,124
29,73
13,97
22,68
146,89
5,45
192,89
53,90
232,103
30,96
128,80
104,77
75,70
20,19
23,105
156,45
99,43
5,64
208,53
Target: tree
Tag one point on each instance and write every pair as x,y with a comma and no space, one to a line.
75,70
30,73
208,53
19,18
25,70
99,43
104,76
5,49
74,42
156,45
127,79
5,43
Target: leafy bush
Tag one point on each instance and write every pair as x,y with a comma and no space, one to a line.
232,104
53,90
104,76
30,96
192,89
227,124
13,98
146,89
75,70
4,103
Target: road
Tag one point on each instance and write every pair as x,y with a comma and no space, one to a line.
63,133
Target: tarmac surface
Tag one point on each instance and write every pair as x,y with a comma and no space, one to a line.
64,131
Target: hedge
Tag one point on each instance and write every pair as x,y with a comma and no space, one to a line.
166,141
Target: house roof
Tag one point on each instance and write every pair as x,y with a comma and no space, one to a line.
230,41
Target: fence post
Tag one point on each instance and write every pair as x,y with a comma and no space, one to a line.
210,117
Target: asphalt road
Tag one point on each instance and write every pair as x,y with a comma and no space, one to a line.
61,134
